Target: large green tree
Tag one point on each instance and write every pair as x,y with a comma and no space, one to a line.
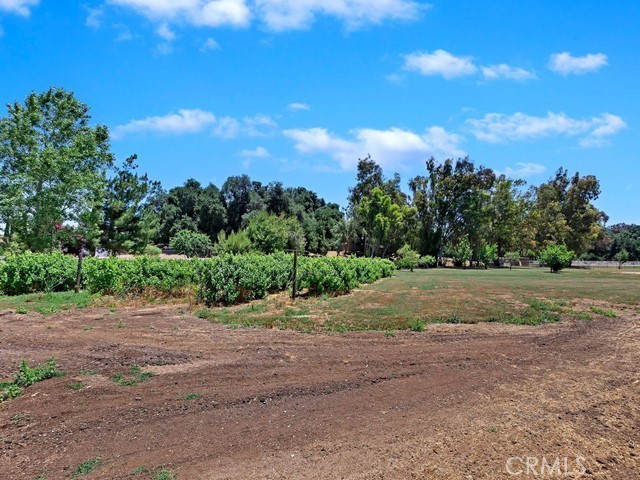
52,168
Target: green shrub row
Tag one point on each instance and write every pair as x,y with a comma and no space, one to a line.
119,276
37,272
235,279
227,279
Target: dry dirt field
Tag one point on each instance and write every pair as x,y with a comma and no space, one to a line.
453,402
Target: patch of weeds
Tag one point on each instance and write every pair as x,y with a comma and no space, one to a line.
140,470
580,315
542,306
113,309
340,328
120,324
493,430
87,328
191,396
47,310
182,311
21,419
22,311
165,474
136,375
76,385
41,477
205,314
27,376
418,325
175,327
603,312
88,372
86,467
390,333
293,312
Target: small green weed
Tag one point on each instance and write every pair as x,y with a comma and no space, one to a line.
139,470
603,312
88,372
418,325
21,419
136,375
86,467
205,314
22,311
191,396
76,385
390,333
165,474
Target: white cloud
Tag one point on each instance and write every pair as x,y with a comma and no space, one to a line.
280,15
209,13
209,44
501,128
565,64
183,122
258,152
21,7
504,71
165,33
94,18
277,15
298,106
257,126
523,170
440,62
393,148
124,33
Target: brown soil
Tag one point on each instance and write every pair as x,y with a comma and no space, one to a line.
454,402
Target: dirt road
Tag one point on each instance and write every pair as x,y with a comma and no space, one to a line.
454,402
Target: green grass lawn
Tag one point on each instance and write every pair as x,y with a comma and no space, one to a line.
411,300
46,303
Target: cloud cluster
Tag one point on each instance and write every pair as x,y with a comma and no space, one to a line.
394,148
566,64
21,7
190,121
277,15
523,170
502,128
449,66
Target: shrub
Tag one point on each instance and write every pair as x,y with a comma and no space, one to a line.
191,244
426,261
152,251
119,276
407,258
237,243
37,272
556,257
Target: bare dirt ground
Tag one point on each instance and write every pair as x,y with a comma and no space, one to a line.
453,402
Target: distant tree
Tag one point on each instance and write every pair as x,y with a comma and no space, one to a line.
513,258
129,221
191,244
236,243
369,176
461,252
488,254
52,168
270,233
236,195
556,257
407,257
621,257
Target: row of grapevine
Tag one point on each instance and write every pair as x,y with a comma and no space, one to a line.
227,279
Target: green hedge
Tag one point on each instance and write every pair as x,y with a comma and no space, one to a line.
37,272
227,279
118,276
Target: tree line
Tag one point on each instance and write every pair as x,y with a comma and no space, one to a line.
61,187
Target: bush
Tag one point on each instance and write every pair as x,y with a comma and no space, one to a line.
407,258
152,251
119,276
556,257
191,244
237,243
233,279
426,261
38,272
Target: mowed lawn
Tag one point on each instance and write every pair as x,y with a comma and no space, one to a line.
412,300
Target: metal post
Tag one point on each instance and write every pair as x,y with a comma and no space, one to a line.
79,272
295,272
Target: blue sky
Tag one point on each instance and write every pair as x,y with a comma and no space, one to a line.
297,90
